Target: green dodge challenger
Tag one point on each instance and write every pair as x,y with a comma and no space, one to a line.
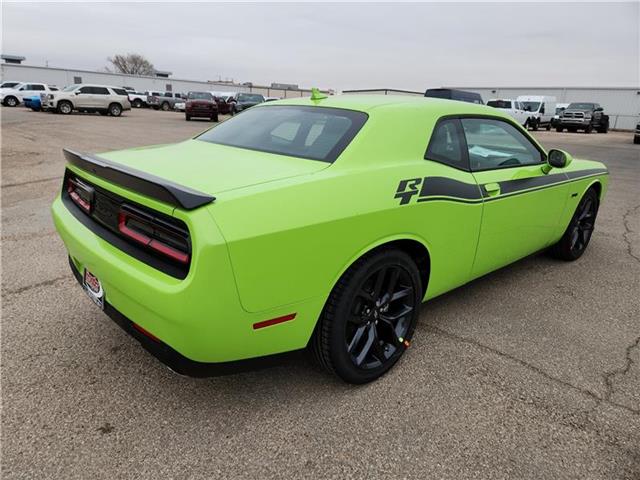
315,222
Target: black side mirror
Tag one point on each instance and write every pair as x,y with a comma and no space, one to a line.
558,158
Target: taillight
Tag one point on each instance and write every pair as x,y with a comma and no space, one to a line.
154,233
81,194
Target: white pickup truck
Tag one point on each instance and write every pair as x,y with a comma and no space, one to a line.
13,96
512,107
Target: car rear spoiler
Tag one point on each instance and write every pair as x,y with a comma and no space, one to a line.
141,182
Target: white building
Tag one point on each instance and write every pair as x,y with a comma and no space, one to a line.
622,104
61,77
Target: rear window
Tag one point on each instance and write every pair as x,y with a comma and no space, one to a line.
315,133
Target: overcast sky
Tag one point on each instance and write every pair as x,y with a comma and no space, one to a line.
363,45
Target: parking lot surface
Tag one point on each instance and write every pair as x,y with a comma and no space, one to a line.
530,372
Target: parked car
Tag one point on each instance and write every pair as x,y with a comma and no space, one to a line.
241,101
451,94
180,106
585,116
201,105
560,107
13,96
316,222
271,99
104,99
541,109
137,99
636,136
164,101
511,107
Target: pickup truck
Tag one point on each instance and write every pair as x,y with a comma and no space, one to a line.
137,99
13,96
163,100
585,116
511,107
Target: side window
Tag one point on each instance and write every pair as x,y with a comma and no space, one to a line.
495,144
86,90
120,91
100,91
446,144
37,87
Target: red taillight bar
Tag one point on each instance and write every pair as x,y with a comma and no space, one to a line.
153,243
77,199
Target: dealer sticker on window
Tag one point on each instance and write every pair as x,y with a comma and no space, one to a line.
93,287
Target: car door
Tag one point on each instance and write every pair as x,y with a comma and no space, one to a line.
522,205
84,97
101,97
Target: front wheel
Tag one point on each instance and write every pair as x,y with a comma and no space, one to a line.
369,318
577,235
534,125
165,106
137,103
10,101
559,129
589,129
214,118
65,107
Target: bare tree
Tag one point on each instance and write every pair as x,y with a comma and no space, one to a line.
131,63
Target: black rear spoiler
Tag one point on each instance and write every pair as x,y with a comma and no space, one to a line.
141,182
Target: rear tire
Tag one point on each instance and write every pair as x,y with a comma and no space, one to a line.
576,237
369,317
165,106
115,109
65,107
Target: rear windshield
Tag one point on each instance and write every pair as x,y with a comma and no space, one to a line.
499,103
316,133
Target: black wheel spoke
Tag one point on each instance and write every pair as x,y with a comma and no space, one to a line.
377,289
392,317
357,337
371,338
405,292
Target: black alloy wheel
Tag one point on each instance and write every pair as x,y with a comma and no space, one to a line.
380,317
370,316
576,238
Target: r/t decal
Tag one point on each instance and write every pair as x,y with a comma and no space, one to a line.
407,189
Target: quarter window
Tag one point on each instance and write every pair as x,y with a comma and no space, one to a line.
496,144
446,145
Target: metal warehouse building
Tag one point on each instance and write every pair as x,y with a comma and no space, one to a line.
622,104
61,77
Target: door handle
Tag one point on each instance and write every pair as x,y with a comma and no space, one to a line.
492,189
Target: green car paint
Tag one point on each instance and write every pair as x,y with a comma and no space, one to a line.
282,229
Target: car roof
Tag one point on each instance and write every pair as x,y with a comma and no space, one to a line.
367,103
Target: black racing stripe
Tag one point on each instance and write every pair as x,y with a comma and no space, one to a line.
447,189
587,173
443,186
512,186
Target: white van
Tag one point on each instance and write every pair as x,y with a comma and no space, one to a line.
511,107
540,109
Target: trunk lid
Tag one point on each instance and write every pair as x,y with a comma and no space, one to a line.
212,168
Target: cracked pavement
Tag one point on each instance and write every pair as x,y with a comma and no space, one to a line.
530,372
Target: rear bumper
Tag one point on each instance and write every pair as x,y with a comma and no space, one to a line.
174,359
199,319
